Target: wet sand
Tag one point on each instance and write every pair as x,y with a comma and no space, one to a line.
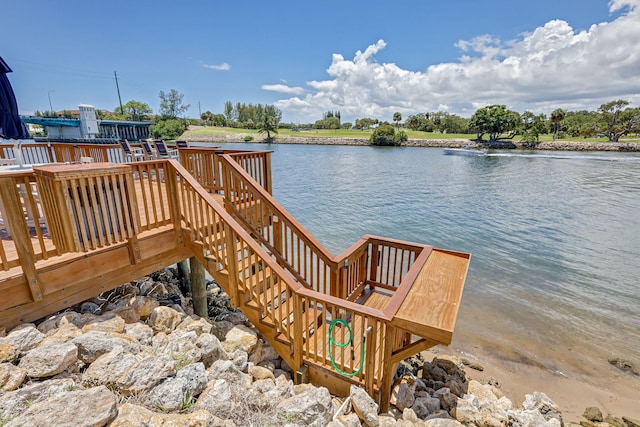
527,349
572,387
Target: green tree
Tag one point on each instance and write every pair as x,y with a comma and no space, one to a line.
167,129
207,116
365,123
386,135
229,112
532,126
616,121
557,116
268,125
397,118
171,106
135,110
495,120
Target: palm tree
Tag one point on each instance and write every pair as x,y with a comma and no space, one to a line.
397,117
268,125
556,117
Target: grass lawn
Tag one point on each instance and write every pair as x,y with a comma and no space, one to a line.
208,132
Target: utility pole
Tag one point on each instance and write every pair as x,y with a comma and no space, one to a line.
199,110
115,73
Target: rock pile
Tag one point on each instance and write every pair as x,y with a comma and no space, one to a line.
139,357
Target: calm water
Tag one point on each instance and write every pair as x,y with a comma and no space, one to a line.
555,237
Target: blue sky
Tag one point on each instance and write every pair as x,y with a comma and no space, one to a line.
363,58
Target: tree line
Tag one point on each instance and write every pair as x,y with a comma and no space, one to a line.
612,120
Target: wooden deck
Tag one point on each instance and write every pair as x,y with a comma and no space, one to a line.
109,224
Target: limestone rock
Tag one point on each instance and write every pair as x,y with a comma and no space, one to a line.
24,337
541,402
147,374
164,319
8,352
486,394
106,323
442,422
143,305
137,416
242,338
227,370
175,393
182,346
11,376
530,418
593,413
409,415
364,405
631,422
467,409
14,402
387,420
260,373
312,407
92,407
46,361
349,420
210,348
614,421
141,332
109,367
262,352
94,344
199,325
217,399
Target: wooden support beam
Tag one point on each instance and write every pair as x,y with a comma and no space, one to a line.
388,369
198,288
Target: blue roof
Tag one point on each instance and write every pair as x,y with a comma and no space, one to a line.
51,121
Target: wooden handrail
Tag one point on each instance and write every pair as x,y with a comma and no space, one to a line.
348,272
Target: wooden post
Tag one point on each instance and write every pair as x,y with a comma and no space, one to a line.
183,274
19,232
387,368
198,288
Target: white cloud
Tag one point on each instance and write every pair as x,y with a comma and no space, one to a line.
222,67
552,66
284,89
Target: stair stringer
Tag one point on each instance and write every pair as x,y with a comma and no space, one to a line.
222,278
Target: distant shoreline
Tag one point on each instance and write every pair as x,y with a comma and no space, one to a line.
437,143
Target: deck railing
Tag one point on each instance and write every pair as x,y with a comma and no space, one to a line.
204,164
39,153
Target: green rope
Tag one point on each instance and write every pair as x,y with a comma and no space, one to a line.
350,341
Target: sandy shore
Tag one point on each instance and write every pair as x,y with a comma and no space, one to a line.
618,396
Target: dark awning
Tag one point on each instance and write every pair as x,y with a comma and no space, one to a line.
11,127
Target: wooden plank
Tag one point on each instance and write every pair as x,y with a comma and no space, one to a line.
116,271
431,306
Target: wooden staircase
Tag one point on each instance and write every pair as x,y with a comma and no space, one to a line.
390,298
